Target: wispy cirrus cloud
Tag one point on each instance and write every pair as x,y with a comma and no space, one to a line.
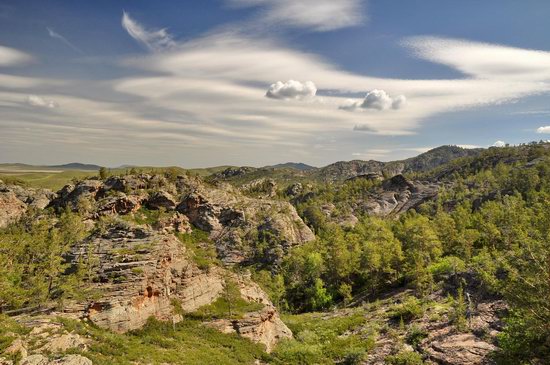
38,101
154,40
316,15
58,36
207,96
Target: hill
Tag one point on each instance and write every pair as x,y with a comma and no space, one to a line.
429,266
292,165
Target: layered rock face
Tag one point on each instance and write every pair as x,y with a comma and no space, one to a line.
140,273
15,200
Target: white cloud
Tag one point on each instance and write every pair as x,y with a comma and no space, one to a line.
56,35
35,100
544,130
499,144
364,128
291,90
318,15
154,40
468,146
12,57
490,61
206,100
377,100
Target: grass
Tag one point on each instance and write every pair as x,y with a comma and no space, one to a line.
411,308
201,247
48,180
322,339
188,342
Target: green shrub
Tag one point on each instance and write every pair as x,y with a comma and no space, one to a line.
229,305
415,335
325,339
408,310
201,248
446,267
405,358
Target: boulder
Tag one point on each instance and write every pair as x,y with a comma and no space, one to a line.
161,199
71,196
294,189
119,204
176,222
460,349
263,327
33,197
11,208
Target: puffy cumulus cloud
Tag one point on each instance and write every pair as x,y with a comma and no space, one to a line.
318,15
291,90
499,144
40,102
378,100
544,130
12,57
154,40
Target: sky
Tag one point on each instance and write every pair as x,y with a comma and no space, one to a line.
258,82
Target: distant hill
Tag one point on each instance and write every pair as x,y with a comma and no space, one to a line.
426,161
293,165
69,166
76,166
436,157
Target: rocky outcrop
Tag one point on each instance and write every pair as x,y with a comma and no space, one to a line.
161,200
174,222
141,273
233,172
11,208
119,203
72,196
460,349
294,189
261,187
232,218
65,360
15,200
398,195
263,326
446,346
48,336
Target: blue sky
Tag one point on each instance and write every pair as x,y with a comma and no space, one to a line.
256,82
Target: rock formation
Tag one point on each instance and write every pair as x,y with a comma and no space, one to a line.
140,273
15,200
397,195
